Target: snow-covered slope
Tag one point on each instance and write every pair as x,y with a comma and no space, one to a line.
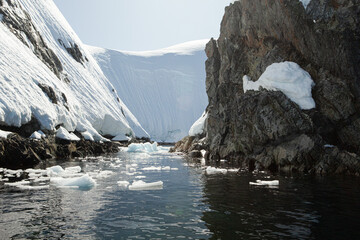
164,89
75,93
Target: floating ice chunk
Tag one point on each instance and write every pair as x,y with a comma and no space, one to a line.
141,185
143,147
76,169
25,185
287,77
140,177
104,174
213,170
62,133
14,184
166,168
13,172
83,182
152,168
198,127
55,170
265,183
123,184
42,179
4,134
174,169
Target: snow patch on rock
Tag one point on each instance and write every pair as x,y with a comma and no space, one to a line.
4,134
62,133
198,127
287,77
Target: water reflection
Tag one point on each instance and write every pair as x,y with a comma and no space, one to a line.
191,205
301,208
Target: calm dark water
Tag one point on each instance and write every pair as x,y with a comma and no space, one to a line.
191,205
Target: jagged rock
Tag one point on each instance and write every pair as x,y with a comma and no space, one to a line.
74,51
195,154
255,120
265,129
49,91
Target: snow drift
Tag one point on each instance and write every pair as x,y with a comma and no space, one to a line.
164,89
76,94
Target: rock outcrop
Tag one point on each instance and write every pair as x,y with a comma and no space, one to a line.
17,152
264,129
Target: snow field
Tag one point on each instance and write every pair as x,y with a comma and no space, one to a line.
92,106
167,82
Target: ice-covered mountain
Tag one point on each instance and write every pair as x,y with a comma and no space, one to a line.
164,89
47,74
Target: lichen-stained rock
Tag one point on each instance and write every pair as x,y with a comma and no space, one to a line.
255,120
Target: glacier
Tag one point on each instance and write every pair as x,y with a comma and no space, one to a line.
164,89
84,97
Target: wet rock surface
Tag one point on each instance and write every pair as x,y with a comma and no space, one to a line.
17,152
265,130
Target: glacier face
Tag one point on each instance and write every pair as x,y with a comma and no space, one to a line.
87,98
164,89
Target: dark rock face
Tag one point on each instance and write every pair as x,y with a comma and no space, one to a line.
74,51
25,31
25,130
263,129
17,152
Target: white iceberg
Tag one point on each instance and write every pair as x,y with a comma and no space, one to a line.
141,185
265,183
83,182
143,147
123,184
213,170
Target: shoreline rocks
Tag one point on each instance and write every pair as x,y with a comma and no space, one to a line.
17,152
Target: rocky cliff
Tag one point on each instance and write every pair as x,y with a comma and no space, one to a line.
265,129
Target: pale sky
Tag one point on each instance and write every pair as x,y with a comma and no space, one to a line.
138,25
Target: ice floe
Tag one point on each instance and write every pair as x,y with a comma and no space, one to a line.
143,147
141,185
212,170
123,184
83,182
265,183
